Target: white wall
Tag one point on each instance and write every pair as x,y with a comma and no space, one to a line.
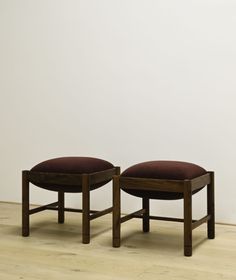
126,81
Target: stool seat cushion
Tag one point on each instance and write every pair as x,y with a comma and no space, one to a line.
166,170
72,165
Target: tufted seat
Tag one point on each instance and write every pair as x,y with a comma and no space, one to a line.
167,180
67,175
165,170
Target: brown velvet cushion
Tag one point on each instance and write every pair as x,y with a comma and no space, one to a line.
169,170
71,165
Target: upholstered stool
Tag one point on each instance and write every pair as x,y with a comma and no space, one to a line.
168,180
67,175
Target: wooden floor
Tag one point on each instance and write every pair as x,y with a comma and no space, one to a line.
55,251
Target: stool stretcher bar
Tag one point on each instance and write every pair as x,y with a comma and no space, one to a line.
52,206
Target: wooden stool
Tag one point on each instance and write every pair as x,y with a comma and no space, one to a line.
168,180
67,175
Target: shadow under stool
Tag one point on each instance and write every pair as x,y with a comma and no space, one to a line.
67,175
164,180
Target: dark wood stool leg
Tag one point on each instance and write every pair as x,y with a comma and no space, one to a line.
211,208
85,209
146,221
116,212
187,219
25,204
61,206
117,170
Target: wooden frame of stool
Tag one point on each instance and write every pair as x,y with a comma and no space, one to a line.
178,186
84,180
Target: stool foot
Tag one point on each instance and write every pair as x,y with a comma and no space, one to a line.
25,232
86,239
187,251
116,243
211,234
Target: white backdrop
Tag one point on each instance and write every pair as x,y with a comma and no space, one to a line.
127,81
